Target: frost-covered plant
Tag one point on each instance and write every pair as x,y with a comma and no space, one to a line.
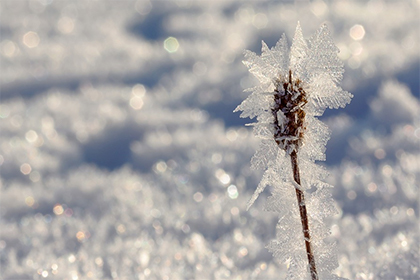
296,86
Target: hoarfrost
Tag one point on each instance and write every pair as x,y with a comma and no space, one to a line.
303,82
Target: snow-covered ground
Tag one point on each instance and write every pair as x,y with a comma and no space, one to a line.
121,157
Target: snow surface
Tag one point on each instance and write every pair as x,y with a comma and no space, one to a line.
122,159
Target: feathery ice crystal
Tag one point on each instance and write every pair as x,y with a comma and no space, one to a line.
296,86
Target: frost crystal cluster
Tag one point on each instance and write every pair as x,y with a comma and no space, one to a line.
296,86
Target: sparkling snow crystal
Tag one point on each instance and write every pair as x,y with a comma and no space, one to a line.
296,86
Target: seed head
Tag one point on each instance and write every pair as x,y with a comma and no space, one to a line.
289,114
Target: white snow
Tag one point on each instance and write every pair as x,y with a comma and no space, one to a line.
121,160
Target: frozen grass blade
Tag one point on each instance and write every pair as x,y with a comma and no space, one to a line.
296,86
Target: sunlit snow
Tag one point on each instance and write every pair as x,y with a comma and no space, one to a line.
121,158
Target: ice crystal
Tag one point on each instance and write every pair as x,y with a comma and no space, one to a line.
296,86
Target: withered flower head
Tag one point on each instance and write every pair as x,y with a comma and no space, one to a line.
289,113
296,85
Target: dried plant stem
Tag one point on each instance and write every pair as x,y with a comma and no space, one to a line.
304,217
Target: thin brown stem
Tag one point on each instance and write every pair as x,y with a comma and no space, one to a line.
304,217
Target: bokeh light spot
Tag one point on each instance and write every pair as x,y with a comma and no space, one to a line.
35,176
99,262
372,187
216,158
25,169
143,7
155,213
158,227
223,177
233,192
138,90
231,135
319,8
17,121
31,39
186,228
68,212
354,62
178,256
244,14
121,228
58,209
351,195
238,235
4,111
80,235
417,133
394,210
74,275
344,53
136,102
8,48
234,211
31,136
198,197
171,44
357,32
243,251
160,167
263,266
387,170
29,201
199,68
65,25
212,198
410,212
380,153
356,48
260,21
71,258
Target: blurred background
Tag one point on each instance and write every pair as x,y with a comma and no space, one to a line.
121,158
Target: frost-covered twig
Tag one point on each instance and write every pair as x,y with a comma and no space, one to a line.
304,217
295,87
